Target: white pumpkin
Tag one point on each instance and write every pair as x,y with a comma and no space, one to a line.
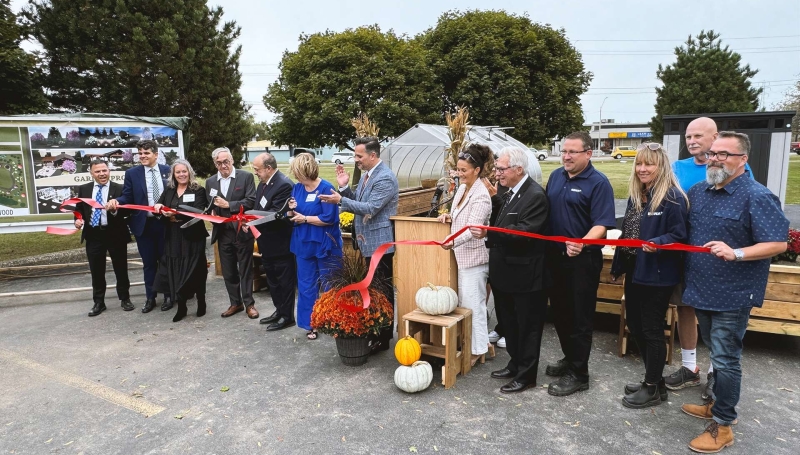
436,299
414,378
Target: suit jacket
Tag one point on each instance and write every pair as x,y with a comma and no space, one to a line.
275,235
373,204
517,264
171,199
134,191
241,193
476,209
117,228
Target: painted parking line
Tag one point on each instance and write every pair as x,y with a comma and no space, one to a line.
113,396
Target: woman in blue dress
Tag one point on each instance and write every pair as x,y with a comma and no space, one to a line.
316,238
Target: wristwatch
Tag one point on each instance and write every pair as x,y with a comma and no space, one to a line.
738,254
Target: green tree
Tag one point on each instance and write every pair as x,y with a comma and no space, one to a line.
705,78
508,71
20,90
791,102
150,58
258,130
334,76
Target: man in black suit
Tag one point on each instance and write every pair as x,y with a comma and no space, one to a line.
279,263
103,232
516,268
231,190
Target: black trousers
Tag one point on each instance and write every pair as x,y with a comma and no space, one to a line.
236,258
645,308
281,272
96,248
385,271
573,298
522,316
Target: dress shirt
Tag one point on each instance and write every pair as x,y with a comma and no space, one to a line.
225,183
103,213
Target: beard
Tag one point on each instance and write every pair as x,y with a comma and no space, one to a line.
715,175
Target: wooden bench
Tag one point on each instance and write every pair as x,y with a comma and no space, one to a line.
780,313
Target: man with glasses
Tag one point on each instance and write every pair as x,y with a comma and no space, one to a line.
232,189
700,134
143,186
742,223
581,206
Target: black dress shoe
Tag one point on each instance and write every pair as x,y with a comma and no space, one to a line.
127,305
635,386
281,323
271,318
559,368
167,305
505,373
646,396
567,385
97,309
516,386
149,304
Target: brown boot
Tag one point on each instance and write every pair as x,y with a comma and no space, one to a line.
715,438
702,411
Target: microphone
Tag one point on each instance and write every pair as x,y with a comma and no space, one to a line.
436,196
456,180
446,201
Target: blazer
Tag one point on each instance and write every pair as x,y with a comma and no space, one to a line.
134,191
477,209
275,235
117,228
517,264
373,204
241,193
667,224
171,199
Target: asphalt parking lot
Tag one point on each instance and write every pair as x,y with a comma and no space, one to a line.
133,383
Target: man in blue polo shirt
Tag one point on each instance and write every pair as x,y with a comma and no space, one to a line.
581,206
742,223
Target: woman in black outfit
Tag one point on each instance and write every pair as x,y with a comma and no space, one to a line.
182,271
657,212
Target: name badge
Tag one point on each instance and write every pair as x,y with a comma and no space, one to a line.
213,192
188,198
311,197
575,190
263,202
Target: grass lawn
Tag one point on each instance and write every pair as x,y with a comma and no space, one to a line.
14,246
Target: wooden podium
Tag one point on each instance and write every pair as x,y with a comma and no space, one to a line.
416,265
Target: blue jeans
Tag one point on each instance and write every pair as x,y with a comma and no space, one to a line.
722,332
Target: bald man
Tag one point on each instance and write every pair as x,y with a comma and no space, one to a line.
700,134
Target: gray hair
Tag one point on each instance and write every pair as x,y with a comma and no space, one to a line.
516,157
743,139
219,150
172,183
267,159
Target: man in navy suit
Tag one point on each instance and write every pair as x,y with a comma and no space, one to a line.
143,186
273,244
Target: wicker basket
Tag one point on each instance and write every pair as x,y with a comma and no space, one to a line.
353,351
428,183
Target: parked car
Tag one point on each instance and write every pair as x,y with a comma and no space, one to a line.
795,147
299,150
540,155
625,151
344,156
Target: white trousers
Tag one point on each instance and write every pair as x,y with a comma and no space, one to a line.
472,295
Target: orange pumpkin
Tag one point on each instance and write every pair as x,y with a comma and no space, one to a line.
407,351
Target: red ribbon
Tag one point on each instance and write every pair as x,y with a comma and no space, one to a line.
72,201
363,286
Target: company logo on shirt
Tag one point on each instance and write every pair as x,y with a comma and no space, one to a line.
654,213
575,190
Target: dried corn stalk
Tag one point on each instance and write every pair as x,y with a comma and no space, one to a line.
364,127
457,126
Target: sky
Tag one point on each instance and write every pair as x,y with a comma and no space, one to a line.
622,41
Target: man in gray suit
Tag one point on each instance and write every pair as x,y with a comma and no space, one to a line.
232,189
372,203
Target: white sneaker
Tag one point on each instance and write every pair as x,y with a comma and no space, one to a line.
493,336
501,343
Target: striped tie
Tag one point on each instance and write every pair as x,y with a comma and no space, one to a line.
156,191
98,212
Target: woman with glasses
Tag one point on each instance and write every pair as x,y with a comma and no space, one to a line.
657,212
183,270
316,238
472,205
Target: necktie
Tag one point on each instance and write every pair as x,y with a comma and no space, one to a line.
507,197
364,185
98,212
154,180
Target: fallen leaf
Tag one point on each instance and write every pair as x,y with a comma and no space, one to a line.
759,400
317,404
142,386
656,453
179,416
501,398
484,436
431,402
784,388
224,388
435,449
208,430
69,443
343,439
412,449
382,427
520,404
123,381
259,443
757,421
628,423
51,440
780,439
140,434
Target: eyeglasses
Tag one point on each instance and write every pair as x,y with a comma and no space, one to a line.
721,156
654,146
466,156
500,170
222,163
569,152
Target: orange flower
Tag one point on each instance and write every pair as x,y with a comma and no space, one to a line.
332,318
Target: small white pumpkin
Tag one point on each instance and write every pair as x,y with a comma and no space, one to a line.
414,378
436,299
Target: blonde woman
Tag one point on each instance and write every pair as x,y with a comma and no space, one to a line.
658,213
472,205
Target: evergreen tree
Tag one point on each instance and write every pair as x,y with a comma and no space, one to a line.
149,58
20,89
705,78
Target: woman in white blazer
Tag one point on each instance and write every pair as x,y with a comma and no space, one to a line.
472,205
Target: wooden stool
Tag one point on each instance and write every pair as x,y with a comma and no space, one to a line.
447,336
669,332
